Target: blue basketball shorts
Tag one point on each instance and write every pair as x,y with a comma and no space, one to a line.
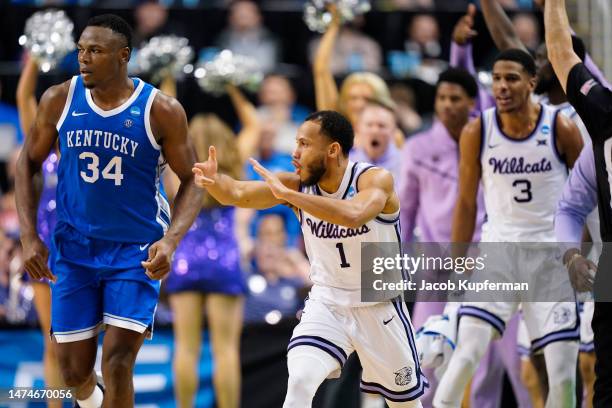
99,283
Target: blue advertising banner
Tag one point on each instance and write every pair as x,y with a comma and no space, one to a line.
21,366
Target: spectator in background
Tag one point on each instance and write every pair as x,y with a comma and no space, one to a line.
408,118
277,105
206,272
353,50
423,42
356,88
247,219
377,126
15,294
9,221
150,18
11,136
246,35
527,30
279,274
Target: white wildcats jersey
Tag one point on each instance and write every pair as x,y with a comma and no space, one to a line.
568,110
334,251
522,180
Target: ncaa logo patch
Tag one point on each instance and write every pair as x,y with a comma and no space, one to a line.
351,192
135,111
403,376
545,129
128,123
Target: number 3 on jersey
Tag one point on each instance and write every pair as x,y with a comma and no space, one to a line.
343,262
112,171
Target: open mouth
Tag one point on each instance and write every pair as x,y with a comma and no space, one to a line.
374,143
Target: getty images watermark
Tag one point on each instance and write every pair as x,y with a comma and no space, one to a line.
483,272
459,265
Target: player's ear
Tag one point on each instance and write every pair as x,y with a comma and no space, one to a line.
125,54
532,82
334,150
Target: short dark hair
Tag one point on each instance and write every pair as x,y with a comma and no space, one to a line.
460,77
336,127
115,23
579,47
518,56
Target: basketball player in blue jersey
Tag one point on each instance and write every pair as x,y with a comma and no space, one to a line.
340,205
114,239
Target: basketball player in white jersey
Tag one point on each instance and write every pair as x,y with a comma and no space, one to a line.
521,150
340,204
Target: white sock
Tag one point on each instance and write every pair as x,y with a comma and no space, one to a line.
94,400
308,368
472,342
561,369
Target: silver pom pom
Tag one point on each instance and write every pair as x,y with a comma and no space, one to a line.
165,55
317,18
228,68
48,37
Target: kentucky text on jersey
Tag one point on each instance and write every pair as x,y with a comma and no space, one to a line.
97,138
109,174
517,165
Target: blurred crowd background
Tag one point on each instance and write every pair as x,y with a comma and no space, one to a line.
406,42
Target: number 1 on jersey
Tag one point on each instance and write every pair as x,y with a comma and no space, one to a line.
343,263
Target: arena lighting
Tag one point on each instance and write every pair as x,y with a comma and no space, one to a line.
273,317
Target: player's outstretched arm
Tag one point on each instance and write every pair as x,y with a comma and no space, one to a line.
326,91
169,125
569,141
245,194
559,40
500,26
25,96
464,217
28,183
376,195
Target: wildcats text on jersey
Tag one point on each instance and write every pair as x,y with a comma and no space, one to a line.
326,230
517,165
99,138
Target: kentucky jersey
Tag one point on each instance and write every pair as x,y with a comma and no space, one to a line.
522,180
334,251
109,173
